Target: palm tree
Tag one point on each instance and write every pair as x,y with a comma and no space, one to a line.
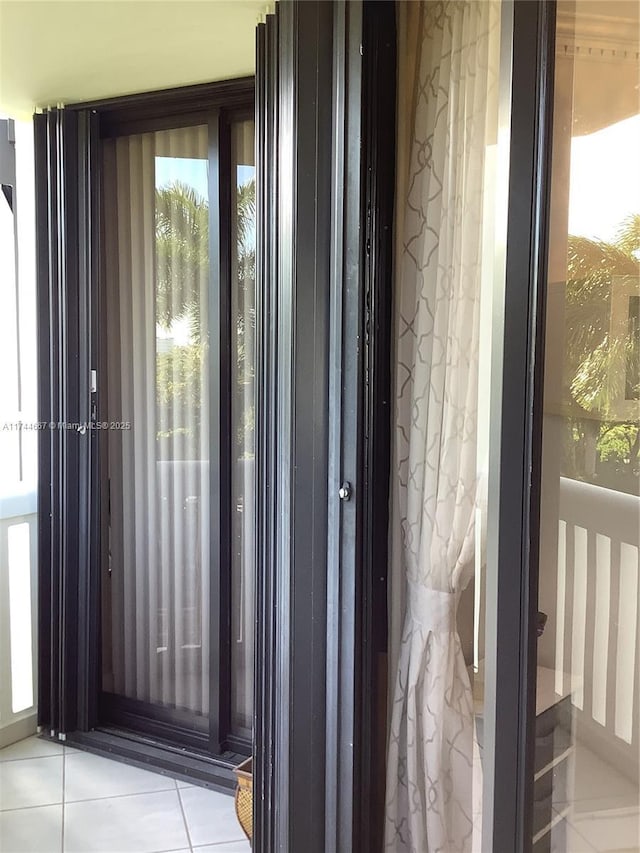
593,379
246,224
182,253
245,317
182,272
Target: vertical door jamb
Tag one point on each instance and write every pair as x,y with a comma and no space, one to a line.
512,571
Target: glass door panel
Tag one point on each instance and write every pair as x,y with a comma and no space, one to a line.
587,746
155,595
450,231
243,329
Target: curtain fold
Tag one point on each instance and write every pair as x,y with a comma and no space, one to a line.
447,97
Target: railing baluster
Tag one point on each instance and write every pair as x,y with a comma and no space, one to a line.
569,616
625,659
601,628
561,607
589,623
613,635
578,626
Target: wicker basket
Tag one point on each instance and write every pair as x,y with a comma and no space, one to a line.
244,797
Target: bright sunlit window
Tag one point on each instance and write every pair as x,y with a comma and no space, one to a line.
18,351
20,617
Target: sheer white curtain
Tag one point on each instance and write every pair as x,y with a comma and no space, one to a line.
447,99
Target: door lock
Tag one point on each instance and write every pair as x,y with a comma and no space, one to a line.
344,492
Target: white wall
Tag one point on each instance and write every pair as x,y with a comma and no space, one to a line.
18,451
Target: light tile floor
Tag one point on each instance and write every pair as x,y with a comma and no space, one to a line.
54,799
603,814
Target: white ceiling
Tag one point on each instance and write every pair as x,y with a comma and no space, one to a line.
54,51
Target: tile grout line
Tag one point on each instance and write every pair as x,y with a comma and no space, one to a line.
29,758
121,796
184,817
580,835
88,800
29,808
569,823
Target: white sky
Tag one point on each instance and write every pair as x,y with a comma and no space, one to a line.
605,179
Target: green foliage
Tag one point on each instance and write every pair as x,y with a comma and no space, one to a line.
590,353
594,382
595,385
245,320
246,219
182,253
619,443
628,239
179,375
182,273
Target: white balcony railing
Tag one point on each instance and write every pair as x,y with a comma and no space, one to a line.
597,607
18,561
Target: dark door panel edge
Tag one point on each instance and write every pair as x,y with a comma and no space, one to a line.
137,751
68,235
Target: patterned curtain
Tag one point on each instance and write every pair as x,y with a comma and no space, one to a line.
447,99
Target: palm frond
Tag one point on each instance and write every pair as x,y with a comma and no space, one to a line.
628,238
592,357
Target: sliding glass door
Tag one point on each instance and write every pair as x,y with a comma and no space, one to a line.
451,674
156,555
243,421
176,442
587,795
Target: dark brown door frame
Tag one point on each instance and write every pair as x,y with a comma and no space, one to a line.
67,148
320,609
